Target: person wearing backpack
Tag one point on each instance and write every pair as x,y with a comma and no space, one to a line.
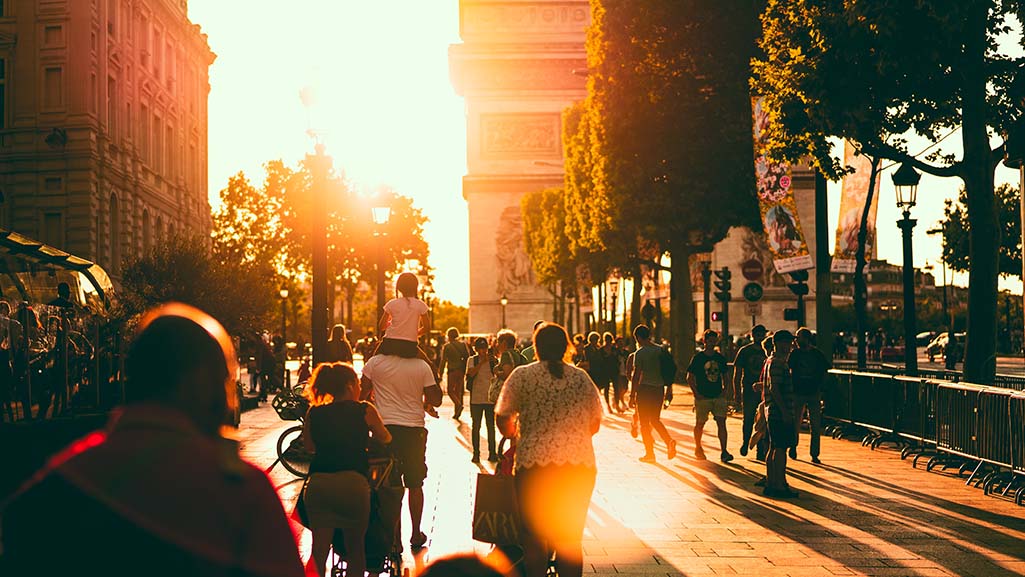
454,356
648,391
479,374
705,377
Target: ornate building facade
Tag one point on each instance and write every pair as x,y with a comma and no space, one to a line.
515,68
103,124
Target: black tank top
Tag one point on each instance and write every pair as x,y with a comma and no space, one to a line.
340,434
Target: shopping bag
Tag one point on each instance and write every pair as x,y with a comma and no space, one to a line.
496,511
760,427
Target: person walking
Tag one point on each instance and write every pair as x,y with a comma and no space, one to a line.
339,350
337,430
479,374
528,351
809,368
747,370
401,388
557,409
705,377
159,492
454,355
647,392
779,402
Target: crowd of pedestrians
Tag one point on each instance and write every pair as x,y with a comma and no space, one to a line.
547,397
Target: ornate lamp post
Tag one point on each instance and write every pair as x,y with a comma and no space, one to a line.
905,180
380,214
614,289
504,301
283,293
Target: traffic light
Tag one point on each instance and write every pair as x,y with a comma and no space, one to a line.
716,316
792,315
800,285
722,285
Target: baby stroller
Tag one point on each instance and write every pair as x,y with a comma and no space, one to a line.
383,540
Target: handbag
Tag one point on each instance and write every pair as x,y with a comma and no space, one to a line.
495,389
496,510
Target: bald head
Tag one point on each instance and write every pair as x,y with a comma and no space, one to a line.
183,358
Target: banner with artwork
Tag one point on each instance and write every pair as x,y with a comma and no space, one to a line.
786,242
852,203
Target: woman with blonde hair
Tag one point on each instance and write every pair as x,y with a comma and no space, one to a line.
337,430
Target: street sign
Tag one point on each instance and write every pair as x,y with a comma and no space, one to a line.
753,309
752,269
753,292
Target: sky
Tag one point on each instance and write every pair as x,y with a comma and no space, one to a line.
389,116
386,112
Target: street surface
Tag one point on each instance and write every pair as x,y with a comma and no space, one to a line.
862,512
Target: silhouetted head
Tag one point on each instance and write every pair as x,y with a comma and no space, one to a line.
338,333
758,333
551,342
464,565
64,290
407,284
183,359
642,333
331,381
452,334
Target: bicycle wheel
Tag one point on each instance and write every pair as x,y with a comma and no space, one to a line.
293,455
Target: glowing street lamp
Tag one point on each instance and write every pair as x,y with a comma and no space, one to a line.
504,301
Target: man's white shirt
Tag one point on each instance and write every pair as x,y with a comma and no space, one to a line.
399,385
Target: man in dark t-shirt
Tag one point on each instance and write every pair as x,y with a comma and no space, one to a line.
809,367
705,377
747,370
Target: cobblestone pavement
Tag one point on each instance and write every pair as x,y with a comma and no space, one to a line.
861,512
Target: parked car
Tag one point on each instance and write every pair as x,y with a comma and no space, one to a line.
937,345
924,338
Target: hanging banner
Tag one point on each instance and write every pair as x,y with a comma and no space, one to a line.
854,191
778,208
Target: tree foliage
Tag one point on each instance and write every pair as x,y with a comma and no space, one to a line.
272,224
956,231
876,73
240,294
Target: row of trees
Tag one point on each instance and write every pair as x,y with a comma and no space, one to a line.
659,153
261,243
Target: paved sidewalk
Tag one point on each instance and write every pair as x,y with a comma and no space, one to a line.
862,512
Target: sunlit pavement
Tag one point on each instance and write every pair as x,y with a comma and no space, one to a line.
862,512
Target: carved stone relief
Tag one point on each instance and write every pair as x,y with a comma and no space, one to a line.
552,18
514,271
519,135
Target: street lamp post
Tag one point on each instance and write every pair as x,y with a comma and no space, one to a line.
614,289
943,262
283,293
380,214
504,301
905,181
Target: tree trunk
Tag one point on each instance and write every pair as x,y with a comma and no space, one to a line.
681,307
350,295
635,298
860,286
983,217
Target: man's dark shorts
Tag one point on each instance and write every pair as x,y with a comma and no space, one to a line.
781,433
409,446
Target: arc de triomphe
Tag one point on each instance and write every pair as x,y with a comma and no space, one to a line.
515,70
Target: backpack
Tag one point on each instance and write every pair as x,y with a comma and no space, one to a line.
667,366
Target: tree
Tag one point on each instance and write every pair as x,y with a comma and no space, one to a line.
271,224
666,134
445,314
957,231
239,294
876,72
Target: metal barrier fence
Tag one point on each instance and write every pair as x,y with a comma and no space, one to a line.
978,427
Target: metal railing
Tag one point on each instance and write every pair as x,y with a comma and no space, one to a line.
977,428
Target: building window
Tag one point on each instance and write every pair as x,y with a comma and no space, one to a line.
147,233
3,92
112,127
115,234
112,17
53,88
144,132
52,229
169,167
158,146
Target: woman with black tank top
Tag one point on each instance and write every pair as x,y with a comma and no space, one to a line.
338,429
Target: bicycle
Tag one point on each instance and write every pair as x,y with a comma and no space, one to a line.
290,405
